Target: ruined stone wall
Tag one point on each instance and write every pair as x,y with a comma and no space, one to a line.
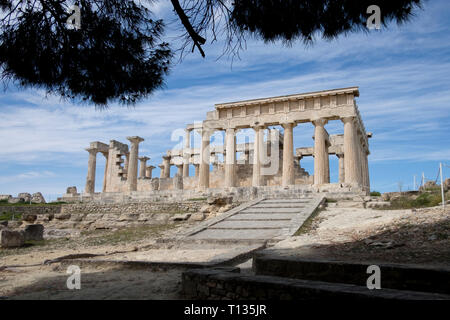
136,208
49,209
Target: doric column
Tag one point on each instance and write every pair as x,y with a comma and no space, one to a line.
166,163
321,161
133,163
257,156
105,176
341,167
125,165
180,169
230,161
288,177
297,160
143,166
197,169
203,180
161,175
366,167
187,152
351,156
92,164
148,171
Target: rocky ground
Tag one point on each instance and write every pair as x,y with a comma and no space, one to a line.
413,236
420,236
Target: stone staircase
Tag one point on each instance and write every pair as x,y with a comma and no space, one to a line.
259,220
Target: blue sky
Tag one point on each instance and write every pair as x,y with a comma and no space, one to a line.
403,74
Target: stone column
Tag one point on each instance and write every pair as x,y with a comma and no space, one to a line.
288,177
321,161
341,167
166,163
92,164
230,161
133,163
197,169
125,165
366,162
203,180
351,158
257,156
187,152
297,160
105,175
180,168
161,175
143,167
148,171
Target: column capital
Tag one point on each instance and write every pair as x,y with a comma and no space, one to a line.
348,119
151,167
258,127
161,166
92,150
166,157
288,124
320,122
135,139
144,158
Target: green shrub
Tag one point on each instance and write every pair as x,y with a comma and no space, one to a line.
375,194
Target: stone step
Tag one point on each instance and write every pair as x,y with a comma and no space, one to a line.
302,200
242,234
271,210
217,284
394,276
262,216
250,224
278,205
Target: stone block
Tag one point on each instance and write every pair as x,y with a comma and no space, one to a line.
25,196
71,190
37,198
29,217
15,200
11,239
4,197
199,216
33,232
62,216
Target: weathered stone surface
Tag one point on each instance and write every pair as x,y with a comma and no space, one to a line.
62,216
199,216
4,223
34,232
180,217
129,217
71,190
14,224
37,198
219,201
25,196
15,200
4,197
11,239
29,217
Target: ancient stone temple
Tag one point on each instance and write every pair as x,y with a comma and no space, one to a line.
271,162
